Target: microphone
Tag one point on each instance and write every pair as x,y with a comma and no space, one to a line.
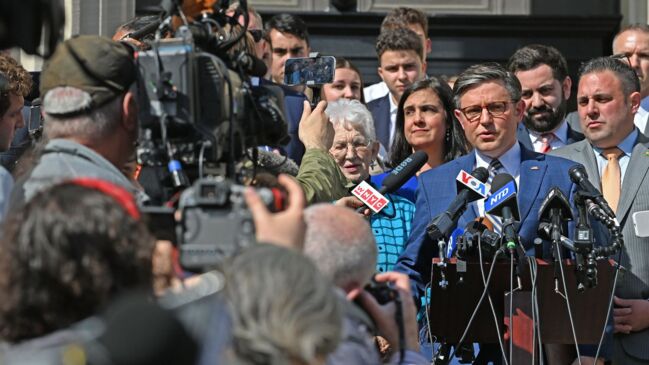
395,179
470,188
555,209
555,206
502,203
546,231
403,172
579,176
252,65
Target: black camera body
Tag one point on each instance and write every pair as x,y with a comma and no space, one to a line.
215,222
382,292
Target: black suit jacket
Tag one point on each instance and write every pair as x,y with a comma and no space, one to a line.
380,109
523,135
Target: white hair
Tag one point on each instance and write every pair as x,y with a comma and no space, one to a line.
352,114
341,244
94,124
283,309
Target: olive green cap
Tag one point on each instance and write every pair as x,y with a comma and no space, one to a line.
97,65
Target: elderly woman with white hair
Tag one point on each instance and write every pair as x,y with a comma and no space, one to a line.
355,149
355,146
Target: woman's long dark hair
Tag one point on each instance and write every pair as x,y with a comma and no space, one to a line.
455,143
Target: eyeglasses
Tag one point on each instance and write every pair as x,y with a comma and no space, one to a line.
257,34
339,149
621,57
495,109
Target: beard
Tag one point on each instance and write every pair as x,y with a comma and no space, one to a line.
548,122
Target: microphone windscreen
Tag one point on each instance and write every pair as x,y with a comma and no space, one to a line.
501,180
481,174
404,171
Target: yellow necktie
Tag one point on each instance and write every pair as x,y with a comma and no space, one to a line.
611,177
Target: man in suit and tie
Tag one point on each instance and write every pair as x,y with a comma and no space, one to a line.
489,107
543,74
401,63
616,157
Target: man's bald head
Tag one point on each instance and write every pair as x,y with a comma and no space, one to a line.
341,243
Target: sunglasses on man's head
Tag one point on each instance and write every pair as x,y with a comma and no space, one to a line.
257,34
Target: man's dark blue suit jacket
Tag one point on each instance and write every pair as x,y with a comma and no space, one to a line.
437,188
523,135
380,109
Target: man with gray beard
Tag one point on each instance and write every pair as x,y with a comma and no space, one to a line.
543,74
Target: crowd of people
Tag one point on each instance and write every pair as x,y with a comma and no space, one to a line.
85,281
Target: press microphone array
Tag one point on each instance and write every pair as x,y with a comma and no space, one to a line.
470,187
579,176
392,182
591,201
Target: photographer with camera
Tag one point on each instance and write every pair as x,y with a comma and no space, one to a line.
342,246
90,116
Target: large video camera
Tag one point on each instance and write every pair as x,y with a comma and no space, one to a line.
198,105
200,115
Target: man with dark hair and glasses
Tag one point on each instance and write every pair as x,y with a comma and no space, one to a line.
631,45
489,107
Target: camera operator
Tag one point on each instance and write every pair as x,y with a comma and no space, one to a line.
90,116
341,244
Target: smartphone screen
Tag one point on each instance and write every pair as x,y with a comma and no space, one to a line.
309,71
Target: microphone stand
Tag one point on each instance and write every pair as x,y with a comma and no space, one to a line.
584,241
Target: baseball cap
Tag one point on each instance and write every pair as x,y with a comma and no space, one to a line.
97,65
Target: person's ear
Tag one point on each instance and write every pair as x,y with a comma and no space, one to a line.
566,85
129,111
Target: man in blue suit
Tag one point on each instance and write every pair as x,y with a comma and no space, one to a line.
543,74
401,63
489,107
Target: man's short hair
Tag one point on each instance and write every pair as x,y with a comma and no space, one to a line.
534,55
138,23
402,17
399,39
65,254
283,309
341,245
484,72
638,27
18,81
251,10
287,23
92,124
626,75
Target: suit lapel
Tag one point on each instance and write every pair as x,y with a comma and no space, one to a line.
383,122
523,136
634,175
467,163
532,171
588,156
